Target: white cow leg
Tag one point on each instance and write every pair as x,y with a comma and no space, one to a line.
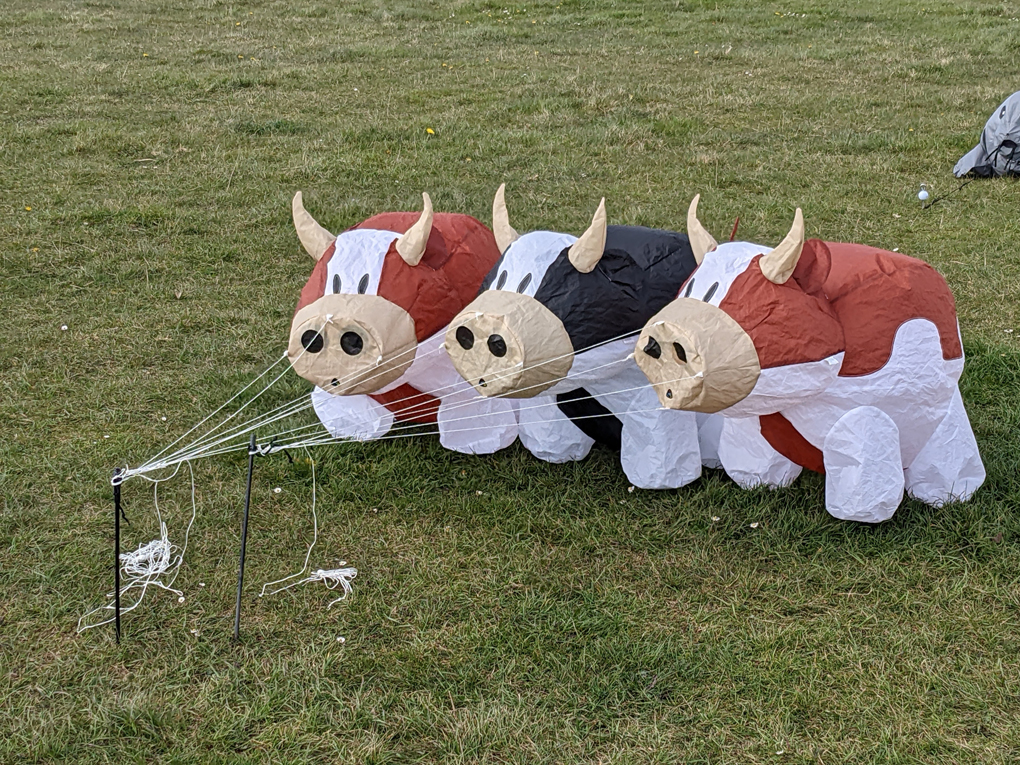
548,433
357,417
709,435
472,424
863,467
948,468
659,449
749,459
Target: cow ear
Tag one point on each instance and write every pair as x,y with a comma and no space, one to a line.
411,245
314,238
501,228
779,265
586,252
702,242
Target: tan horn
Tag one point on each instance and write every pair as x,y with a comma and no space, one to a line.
778,265
504,232
411,245
314,238
702,242
586,252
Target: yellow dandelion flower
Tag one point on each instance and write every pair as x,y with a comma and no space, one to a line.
240,56
28,209
145,55
35,249
430,131
237,24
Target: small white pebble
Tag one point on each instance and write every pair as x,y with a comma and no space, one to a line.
195,633
277,490
478,493
1008,331
63,328
341,639
201,584
780,751
180,599
630,489
108,436
355,90
754,525
895,249
163,419
375,509
715,519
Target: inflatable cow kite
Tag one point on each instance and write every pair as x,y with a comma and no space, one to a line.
840,358
368,328
557,316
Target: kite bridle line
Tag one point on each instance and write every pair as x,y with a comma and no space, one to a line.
169,558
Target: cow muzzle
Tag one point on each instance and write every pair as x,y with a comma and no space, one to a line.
352,344
697,357
507,344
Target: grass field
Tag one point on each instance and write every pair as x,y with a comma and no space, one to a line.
148,153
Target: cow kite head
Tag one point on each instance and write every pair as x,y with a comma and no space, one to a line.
373,295
507,341
742,311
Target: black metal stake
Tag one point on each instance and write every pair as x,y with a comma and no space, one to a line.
244,538
117,512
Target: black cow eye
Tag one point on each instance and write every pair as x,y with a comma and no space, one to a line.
501,281
690,286
711,291
336,284
524,283
363,285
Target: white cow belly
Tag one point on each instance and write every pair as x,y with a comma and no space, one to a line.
914,388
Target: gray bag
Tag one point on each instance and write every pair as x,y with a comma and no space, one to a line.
997,153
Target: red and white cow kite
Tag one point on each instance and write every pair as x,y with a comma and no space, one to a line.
840,358
369,326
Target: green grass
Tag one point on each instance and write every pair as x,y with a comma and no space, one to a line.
556,616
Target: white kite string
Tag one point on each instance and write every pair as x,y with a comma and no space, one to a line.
215,411
301,403
147,565
331,440
465,385
204,445
396,432
461,405
333,578
209,445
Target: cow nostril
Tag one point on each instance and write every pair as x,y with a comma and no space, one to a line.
497,345
311,340
669,394
652,348
680,352
351,343
466,338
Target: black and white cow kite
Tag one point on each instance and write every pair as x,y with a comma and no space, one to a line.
554,327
